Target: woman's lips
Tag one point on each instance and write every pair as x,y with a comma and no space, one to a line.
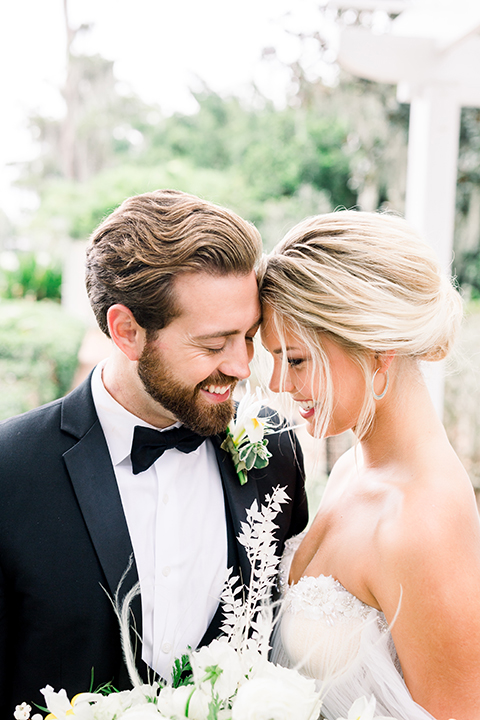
306,408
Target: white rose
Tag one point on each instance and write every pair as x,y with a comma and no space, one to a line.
277,693
173,702
252,663
223,655
147,711
104,706
144,693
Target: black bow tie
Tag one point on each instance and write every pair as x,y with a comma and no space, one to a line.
149,444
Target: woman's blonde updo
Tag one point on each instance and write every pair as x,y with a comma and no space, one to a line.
368,280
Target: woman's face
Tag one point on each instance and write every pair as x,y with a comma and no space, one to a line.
305,386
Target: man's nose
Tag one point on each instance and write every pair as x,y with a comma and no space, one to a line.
238,360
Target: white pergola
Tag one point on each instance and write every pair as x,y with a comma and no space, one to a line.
431,51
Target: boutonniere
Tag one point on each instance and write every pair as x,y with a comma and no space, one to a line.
246,441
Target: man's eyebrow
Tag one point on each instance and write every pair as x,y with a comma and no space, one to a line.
219,334
225,333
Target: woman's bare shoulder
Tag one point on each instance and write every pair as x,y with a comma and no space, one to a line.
426,579
347,463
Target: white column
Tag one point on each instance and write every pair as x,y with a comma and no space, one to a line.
432,165
431,184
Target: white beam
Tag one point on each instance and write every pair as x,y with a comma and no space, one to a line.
413,60
385,58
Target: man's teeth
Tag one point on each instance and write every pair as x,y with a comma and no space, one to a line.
307,404
217,390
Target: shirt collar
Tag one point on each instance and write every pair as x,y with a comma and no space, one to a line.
117,423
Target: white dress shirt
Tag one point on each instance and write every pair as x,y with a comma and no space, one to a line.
175,514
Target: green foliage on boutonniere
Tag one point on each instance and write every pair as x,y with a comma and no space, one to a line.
246,441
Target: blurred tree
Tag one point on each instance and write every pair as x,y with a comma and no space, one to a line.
467,231
275,151
374,123
100,124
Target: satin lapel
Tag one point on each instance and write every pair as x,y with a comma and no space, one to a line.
91,472
238,498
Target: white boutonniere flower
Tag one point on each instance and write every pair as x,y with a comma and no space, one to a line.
245,439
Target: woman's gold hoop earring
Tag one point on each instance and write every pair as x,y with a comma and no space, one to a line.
384,392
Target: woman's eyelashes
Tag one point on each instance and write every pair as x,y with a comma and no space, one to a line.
295,362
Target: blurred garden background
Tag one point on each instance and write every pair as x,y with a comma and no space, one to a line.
299,137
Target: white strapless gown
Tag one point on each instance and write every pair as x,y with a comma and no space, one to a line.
346,646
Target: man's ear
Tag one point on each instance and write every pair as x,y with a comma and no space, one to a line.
125,332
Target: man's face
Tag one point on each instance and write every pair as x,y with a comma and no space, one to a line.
193,365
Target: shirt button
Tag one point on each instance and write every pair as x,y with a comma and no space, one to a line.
166,647
166,571
165,499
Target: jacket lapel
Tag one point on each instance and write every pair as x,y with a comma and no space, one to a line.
93,479
238,498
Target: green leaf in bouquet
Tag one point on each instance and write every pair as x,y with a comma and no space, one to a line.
182,673
213,672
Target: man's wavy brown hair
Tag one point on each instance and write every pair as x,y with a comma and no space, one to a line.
137,252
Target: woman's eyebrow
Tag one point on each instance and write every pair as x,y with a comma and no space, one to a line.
289,348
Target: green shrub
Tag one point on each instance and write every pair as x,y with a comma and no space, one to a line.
31,278
39,345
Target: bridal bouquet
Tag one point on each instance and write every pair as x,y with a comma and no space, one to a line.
230,679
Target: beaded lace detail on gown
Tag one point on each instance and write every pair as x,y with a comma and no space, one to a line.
330,635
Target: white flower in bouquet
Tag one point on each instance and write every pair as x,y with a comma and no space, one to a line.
57,702
363,709
277,693
22,712
97,706
252,661
139,712
221,656
185,701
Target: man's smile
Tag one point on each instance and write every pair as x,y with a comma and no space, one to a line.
217,393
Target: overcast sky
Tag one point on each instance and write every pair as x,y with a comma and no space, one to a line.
160,48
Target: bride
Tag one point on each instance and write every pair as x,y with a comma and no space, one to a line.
382,594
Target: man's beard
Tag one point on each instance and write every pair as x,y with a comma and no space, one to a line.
184,402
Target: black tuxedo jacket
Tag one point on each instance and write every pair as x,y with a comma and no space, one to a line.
64,545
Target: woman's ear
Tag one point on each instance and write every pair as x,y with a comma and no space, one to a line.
383,360
125,332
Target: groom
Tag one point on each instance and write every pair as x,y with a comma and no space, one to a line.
113,471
